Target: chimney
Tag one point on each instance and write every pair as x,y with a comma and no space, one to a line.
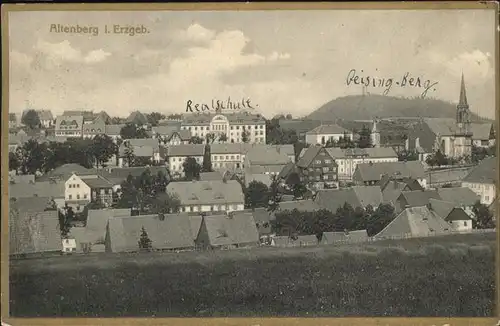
395,184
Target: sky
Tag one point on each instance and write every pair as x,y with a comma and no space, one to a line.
283,61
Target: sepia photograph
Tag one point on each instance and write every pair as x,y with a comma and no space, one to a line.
250,163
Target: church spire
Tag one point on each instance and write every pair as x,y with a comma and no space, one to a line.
463,95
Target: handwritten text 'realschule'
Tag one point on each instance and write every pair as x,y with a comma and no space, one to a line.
129,30
219,105
353,78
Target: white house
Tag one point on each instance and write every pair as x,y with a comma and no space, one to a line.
233,124
68,245
46,118
324,133
81,190
372,173
348,159
208,196
482,180
178,154
69,126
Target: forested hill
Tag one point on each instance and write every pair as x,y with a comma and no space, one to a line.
359,107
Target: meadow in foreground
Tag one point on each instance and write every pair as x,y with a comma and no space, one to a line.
448,276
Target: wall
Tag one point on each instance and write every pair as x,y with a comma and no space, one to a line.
78,188
461,226
486,191
213,208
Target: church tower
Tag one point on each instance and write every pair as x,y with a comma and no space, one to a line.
463,113
375,134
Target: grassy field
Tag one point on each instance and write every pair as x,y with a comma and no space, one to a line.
446,276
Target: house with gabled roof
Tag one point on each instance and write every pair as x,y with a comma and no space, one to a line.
325,133
461,196
268,159
171,135
147,148
373,173
80,190
318,168
33,227
94,128
456,216
333,238
208,196
46,118
31,191
482,180
166,232
69,126
414,199
113,131
137,118
232,230
64,171
415,222
177,155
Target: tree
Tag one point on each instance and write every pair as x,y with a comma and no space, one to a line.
256,195
191,169
154,118
365,139
407,156
299,190
167,204
210,138
483,216
103,148
31,119
196,140
65,217
245,136
289,116
223,138
293,179
133,131
160,182
32,157
207,160
128,153
14,163
437,159
383,215
274,194
145,244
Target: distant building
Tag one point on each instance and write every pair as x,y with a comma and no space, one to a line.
208,196
232,124
453,137
69,126
322,134
266,159
482,180
94,127
415,222
137,118
145,148
46,118
177,155
13,123
294,241
333,238
171,135
232,230
318,168
372,173
81,190
459,220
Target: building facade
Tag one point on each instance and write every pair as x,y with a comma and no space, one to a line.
239,127
69,126
327,133
318,168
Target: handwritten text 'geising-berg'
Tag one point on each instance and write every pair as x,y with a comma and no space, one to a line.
405,81
219,105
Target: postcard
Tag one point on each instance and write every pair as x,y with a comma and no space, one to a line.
250,161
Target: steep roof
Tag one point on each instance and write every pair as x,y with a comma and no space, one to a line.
33,231
174,232
333,199
137,118
195,222
229,148
114,129
258,177
369,195
340,237
457,214
415,221
259,155
141,147
96,181
481,131
308,156
485,172
262,219
210,176
392,190
21,178
63,172
185,150
69,122
164,130
235,228
399,170
461,196
207,192
45,115
123,173
419,198
40,189
440,207
328,130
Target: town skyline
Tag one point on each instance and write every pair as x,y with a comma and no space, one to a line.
201,56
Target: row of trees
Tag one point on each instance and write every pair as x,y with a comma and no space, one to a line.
146,194
297,222
34,156
364,140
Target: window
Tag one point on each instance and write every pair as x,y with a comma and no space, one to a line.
261,132
215,157
465,223
70,185
232,157
328,161
77,208
195,128
317,161
237,127
70,196
78,185
231,129
227,157
84,196
78,196
325,177
317,178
